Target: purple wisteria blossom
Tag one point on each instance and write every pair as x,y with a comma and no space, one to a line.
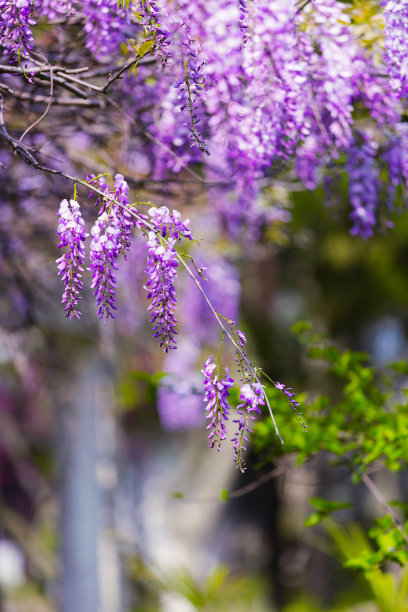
363,185
151,17
105,247
161,272
294,404
393,158
240,355
110,239
104,26
72,234
396,43
167,229
50,9
15,26
252,398
217,408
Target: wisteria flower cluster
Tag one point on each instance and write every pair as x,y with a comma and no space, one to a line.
254,84
71,230
364,186
168,229
252,394
252,397
396,43
216,396
15,25
294,404
111,240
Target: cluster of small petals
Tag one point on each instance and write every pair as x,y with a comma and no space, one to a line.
243,18
104,26
335,65
169,224
363,185
51,9
252,398
393,158
117,200
105,248
240,356
127,221
261,81
153,22
291,397
161,274
72,234
396,43
110,239
168,228
190,87
216,397
241,338
15,25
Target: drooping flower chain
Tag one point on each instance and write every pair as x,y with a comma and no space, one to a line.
161,271
252,396
15,26
110,238
294,404
72,234
396,43
216,397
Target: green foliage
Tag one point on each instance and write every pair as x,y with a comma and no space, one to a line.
324,508
363,423
219,591
389,590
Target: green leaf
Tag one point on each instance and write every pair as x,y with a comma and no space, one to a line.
177,495
142,49
324,505
300,327
224,495
314,519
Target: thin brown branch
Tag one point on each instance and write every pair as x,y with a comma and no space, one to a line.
37,99
303,6
44,114
375,491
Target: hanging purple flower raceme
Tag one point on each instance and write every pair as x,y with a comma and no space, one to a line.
393,158
105,247
216,396
396,43
161,272
15,26
190,88
110,239
331,85
290,397
363,185
72,234
105,26
243,19
168,229
252,396
51,9
240,355
152,19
